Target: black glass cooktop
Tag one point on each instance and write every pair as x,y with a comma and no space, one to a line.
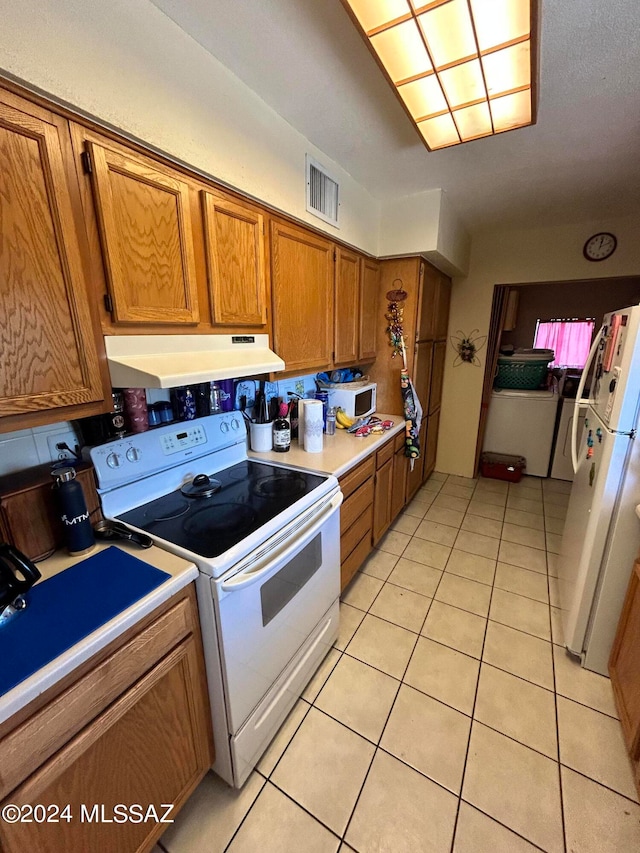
250,494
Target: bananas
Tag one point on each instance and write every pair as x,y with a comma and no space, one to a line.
343,421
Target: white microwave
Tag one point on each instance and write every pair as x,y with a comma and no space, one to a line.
356,402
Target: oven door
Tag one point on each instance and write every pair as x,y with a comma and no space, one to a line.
266,611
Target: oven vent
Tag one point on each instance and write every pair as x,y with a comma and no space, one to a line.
322,192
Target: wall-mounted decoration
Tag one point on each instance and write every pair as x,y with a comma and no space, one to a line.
394,316
468,347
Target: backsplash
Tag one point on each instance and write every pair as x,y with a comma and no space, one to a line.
26,448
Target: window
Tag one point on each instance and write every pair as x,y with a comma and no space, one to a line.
569,339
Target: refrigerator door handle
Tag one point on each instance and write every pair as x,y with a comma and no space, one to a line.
579,401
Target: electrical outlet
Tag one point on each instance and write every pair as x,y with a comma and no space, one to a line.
59,454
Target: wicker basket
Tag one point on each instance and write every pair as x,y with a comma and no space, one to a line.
525,375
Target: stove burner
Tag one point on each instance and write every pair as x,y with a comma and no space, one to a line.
226,519
182,508
201,486
286,486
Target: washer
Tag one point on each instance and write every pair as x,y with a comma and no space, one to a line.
522,423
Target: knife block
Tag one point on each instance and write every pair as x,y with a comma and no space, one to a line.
28,510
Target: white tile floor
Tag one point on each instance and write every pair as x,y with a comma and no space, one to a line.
448,717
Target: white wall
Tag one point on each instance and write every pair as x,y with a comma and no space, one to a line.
127,63
513,257
425,223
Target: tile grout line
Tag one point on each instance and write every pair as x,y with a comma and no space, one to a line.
393,704
473,710
555,693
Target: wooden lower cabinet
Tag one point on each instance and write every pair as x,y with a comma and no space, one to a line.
399,475
369,506
415,475
431,444
149,747
624,668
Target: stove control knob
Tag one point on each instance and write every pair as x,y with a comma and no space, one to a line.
133,454
224,427
235,424
114,460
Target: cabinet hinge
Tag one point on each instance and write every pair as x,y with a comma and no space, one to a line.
85,159
108,302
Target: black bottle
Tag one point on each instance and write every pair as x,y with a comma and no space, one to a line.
73,511
282,431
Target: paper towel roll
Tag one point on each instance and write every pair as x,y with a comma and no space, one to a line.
301,404
313,425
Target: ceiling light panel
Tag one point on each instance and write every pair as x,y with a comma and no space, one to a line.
449,32
402,51
470,58
375,13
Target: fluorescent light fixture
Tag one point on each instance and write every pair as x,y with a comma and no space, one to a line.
463,69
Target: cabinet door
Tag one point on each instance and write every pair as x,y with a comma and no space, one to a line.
234,243
346,307
149,747
441,311
48,344
415,475
433,423
428,288
437,373
382,500
399,479
422,369
624,666
144,220
302,294
369,286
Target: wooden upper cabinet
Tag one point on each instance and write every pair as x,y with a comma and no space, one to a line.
427,288
234,245
441,311
144,219
302,294
346,299
48,344
369,287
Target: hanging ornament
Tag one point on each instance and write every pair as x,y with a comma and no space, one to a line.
395,317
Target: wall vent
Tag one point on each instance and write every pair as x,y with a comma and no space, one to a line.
322,192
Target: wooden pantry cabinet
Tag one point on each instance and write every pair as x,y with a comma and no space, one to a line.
425,321
52,356
132,727
144,220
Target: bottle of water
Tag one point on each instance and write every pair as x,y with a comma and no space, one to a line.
73,511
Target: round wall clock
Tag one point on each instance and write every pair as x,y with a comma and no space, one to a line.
600,246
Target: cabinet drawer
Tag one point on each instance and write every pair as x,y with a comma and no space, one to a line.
384,454
26,747
361,527
355,559
355,505
350,482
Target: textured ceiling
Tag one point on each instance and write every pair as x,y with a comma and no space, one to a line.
581,161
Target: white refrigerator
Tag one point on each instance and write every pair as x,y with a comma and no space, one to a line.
602,531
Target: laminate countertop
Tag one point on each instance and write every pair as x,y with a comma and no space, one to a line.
181,574
340,453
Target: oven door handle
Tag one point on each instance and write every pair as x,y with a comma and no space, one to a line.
252,574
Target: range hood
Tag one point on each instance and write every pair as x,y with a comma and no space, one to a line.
167,361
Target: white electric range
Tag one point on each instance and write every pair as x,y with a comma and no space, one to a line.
266,540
